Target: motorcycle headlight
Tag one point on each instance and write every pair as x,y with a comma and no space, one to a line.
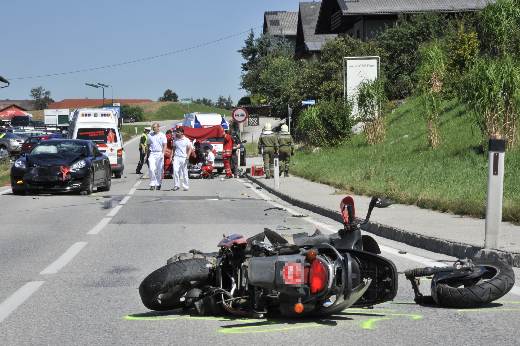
20,164
78,165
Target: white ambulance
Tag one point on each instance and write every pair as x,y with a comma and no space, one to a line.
102,127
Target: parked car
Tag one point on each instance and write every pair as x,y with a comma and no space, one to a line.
11,142
31,142
62,165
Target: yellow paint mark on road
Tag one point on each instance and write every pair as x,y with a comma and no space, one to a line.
370,323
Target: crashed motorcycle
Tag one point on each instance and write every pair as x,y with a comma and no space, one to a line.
272,274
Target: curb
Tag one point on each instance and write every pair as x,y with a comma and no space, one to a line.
446,247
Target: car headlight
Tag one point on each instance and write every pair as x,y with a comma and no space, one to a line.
78,165
20,164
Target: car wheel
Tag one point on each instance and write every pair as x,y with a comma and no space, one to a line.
90,184
19,191
118,175
108,182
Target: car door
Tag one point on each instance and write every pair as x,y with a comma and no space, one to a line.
97,165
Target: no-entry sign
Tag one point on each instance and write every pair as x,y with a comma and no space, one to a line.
240,115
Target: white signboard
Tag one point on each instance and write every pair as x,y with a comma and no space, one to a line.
356,71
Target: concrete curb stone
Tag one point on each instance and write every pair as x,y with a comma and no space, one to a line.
447,247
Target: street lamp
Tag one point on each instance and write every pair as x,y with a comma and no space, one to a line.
97,86
3,80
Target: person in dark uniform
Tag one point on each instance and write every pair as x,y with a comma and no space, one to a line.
286,149
143,150
268,148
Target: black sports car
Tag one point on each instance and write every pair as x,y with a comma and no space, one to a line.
62,165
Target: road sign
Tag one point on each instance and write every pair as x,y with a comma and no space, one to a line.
253,120
240,115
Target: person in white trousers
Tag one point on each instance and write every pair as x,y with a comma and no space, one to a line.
182,150
156,147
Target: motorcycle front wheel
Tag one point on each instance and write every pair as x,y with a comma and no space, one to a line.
496,281
163,288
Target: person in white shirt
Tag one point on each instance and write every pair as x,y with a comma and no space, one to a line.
156,147
182,150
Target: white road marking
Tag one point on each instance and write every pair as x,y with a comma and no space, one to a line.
99,227
18,298
515,290
114,211
5,192
419,259
136,184
415,258
125,200
62,261
132,191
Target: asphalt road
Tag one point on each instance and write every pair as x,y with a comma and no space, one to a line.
71,265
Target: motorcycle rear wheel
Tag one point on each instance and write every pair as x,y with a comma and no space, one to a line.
497,282
163,288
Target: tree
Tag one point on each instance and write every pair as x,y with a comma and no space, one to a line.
204,101
221,102
41,97
169,95
132,111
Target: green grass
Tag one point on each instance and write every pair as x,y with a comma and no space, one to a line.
4,173
251,149
173,111
452,178
128,131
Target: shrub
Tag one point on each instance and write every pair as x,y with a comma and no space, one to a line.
499,27
431,75
134,111
328,123
491,91
370,101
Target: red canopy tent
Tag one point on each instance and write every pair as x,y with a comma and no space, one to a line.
201,134
7,113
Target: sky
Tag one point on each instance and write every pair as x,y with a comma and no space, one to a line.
55,36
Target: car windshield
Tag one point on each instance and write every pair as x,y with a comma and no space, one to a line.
60,148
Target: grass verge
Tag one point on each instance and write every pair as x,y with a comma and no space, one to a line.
173,110
452,178
129,131
4,173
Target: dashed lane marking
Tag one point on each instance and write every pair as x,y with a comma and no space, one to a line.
114,211
18,298
125,200
64,259
99,227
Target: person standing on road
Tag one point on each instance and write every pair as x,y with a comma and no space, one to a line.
286,149
157,147
182,149
227,154
268,148
143,153
168,167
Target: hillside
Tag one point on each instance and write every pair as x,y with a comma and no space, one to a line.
452,178
175,110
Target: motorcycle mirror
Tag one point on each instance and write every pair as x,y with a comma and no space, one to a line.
244,141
